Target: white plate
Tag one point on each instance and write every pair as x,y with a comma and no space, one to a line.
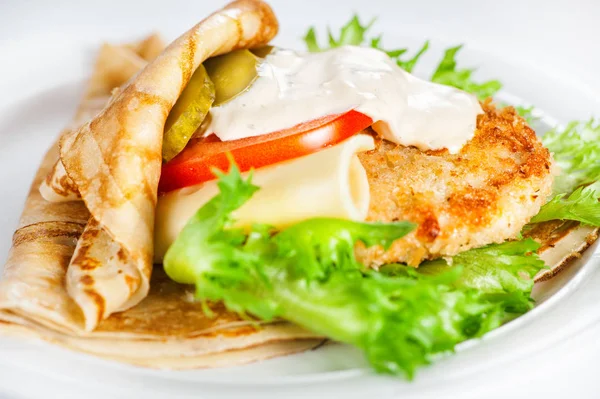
540,52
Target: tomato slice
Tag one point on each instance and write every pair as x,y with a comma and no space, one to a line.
193,165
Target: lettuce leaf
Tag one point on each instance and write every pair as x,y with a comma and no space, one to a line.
576,189
447,73
308,274
528,113
576,150
310,38
209,235
503,272
355,33
395,55
582,206
352,33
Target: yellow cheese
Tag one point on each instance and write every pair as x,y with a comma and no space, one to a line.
328,183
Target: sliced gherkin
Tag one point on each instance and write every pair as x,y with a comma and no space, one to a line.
262,52
188,113
231,73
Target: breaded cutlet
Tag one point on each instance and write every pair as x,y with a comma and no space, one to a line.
484,194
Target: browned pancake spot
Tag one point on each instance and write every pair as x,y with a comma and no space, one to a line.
87,280
98,300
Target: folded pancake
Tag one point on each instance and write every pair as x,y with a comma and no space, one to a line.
168,328
228,358
114,66
114,162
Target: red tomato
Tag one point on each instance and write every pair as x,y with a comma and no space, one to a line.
193,165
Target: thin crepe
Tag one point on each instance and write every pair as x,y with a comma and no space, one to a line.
114,66
114,162
167,329
561,242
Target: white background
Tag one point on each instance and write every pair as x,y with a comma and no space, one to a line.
556,39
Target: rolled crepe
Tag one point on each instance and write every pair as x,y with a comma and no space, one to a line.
114,66
114,162
168,328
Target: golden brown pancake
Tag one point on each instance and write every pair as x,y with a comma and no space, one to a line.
59,254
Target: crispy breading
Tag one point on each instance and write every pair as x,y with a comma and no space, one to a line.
484,194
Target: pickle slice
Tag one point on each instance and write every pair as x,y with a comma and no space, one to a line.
262,52
231,73
188,113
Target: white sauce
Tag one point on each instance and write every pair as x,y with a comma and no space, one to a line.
293,87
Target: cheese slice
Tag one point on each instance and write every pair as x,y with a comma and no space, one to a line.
328,183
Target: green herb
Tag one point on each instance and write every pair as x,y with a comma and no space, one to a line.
308,275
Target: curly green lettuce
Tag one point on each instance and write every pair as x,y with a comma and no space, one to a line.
447,73
582,206
409,64
355,33
307,274
503,270
528,113
576,150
